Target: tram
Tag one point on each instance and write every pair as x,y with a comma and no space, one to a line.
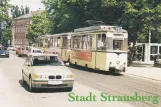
56,44
100,47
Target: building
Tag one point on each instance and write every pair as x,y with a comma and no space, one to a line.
147,52
19,29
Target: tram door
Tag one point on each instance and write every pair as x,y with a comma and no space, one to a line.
140,53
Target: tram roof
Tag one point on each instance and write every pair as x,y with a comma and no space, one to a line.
53,35
100,28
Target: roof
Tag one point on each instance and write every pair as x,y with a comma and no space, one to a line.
29,15
37,54
54,35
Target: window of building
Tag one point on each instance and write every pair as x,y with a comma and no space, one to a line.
154,50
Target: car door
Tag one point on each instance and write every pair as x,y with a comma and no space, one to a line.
26,70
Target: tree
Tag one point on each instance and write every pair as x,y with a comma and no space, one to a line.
138,17
19,11
67,15
40,26
6,35
4,17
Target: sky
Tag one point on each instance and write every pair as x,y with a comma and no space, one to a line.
33,4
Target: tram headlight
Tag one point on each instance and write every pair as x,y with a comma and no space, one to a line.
118,62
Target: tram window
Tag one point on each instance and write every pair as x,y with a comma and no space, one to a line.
58,42
65,42
117,44
101,42
51,42
84,41
154,49
69,43
79,41
109,43
54,42
160,49
89,41
75,41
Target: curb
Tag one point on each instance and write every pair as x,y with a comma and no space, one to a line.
141,65
142,77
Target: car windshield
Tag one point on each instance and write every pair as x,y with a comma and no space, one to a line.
47,61
3,51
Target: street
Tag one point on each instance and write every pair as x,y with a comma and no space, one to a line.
14,94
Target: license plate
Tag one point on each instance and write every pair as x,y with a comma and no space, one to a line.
54,82
3,54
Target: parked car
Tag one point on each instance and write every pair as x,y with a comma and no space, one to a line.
4,53
17,50
22,52
47,71
11,48
157,61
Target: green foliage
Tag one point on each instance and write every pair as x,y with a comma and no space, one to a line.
6,35
4,6
138,17
19,11
40,26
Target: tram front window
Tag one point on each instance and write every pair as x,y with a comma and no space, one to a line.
117,44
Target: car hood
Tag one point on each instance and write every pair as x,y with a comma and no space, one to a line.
51,70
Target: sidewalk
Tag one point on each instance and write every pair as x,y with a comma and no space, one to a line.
145,72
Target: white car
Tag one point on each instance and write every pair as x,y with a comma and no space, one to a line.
47,71
34,51
11,48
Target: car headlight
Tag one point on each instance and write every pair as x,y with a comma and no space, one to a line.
39,76
35,76
71,76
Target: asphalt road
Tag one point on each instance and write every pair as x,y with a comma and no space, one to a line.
14,94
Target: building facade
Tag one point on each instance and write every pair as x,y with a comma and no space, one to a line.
19,29
146,52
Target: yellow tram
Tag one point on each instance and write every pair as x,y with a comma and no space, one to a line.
56,44
98,47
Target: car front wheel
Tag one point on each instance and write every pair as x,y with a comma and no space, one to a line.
30,85
23,81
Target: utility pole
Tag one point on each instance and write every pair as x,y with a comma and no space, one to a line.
0,33
149,45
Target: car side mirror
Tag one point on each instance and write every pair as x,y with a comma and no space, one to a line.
67,64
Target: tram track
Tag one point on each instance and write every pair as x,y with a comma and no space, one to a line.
109,89
118,80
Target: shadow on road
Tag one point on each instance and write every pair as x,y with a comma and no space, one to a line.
83,69
49,90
